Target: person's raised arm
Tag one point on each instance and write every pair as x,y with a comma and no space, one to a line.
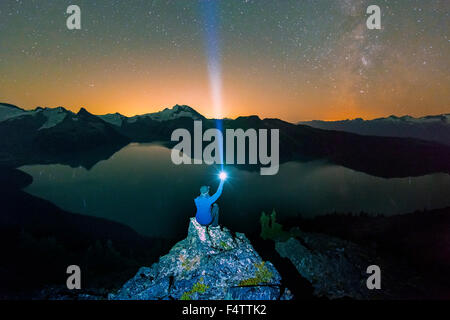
216,195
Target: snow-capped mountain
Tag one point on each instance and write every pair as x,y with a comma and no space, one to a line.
55,134
55,116
116,119
9,111
432,128
167,114
52,116
170,114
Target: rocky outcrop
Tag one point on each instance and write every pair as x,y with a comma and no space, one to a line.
211,263
336,268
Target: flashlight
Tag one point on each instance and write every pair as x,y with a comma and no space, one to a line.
223,175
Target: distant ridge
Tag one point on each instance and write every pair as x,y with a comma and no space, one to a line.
10,105
9,110
432,128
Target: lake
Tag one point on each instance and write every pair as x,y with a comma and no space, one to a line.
140,187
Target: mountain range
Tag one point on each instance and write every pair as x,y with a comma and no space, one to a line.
109,253
431,128
57,135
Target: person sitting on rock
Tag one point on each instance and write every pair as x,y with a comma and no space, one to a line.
208,211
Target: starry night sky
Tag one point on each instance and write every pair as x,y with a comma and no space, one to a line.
294,60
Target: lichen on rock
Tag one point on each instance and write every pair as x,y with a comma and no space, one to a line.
262,275
210,264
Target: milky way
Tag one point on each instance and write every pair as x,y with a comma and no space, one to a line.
295,60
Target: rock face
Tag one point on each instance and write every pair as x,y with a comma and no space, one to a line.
336,268
210,264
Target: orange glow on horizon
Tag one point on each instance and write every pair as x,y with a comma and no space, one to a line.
134,92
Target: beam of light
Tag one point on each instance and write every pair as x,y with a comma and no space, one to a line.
210,12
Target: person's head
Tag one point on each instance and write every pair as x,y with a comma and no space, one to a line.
204,190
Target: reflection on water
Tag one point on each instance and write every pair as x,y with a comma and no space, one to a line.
141,187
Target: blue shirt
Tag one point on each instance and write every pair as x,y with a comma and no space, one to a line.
204,203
